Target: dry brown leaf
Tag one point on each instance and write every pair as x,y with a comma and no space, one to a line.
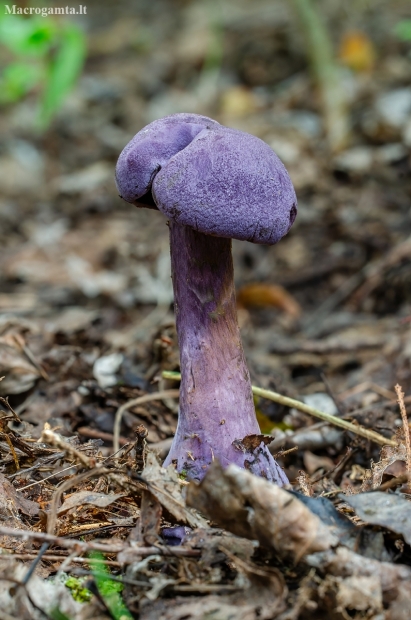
254,508
251,442
12,500
148,525
165,485
313,462
389,456
386,510
394,580
357,51
20,374
101,500
260,295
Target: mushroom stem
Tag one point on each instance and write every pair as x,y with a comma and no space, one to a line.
216,403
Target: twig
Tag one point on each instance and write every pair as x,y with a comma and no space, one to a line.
140,447
85,547
66,563
133,403
56,441
5,403
12,450
34,565
282,453
67,484
400,397
390,484
55,473
316,413
93,433
54,558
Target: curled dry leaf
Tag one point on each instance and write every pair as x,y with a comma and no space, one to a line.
38,594
101,500
11,500
20,374
252,442
389,457
148,525
357,51
165,485
390,582
255,508
387,510
260,295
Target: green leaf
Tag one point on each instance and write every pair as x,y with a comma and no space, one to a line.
16,80
56,614
26,37
63,71
110,590
403,30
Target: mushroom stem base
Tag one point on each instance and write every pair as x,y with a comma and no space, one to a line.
216,403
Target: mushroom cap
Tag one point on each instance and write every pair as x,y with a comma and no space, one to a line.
219,181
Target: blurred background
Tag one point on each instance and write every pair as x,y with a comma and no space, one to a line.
86,316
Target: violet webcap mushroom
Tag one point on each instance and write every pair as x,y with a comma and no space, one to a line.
213,184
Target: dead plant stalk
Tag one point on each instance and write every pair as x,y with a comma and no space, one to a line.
316,413
400,397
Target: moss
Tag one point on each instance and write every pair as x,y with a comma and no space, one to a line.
77,589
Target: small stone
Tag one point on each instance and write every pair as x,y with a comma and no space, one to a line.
358,159
105,369
394,107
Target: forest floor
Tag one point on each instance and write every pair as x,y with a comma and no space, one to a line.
87,328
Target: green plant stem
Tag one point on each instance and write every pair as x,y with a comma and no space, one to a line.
316,413
326,74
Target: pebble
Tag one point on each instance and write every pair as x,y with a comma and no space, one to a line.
394,107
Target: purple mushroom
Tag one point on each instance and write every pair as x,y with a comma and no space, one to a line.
214,184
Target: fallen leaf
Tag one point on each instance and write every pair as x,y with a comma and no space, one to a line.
359,593
148,525
357,51
260,295
383,509
251,442
11,499
20,374
254,508
165,485
101,500
313,462
390,459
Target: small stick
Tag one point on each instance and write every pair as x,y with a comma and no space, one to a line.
282,453
34,564
93,433
85,547
140,447
133,403
55,558
316,413
12,450
52,439
5,403
33,484
390,484
400,397
67,484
